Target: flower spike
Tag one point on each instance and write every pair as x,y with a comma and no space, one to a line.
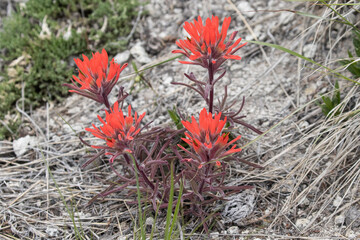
118,130
206,138
96,77
206,44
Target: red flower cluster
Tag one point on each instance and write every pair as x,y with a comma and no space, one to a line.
207,43
96,77
118,130
207,139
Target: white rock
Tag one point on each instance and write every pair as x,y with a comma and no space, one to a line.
286,17
239,206
139,53
149,221
67,34
310,50
337,201
21,145
304,125
302,222
233,230
246,9
339,220
51,231
351,234
311,89
122,57
214,235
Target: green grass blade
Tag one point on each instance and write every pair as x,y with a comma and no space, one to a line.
152,66
141,221
341,16
177,208
169,208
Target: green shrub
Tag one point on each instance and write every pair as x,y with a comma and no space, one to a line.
47,58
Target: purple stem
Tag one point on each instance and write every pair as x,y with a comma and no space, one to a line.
201,187
211,79
143,175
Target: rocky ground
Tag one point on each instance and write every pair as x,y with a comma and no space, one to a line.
274,84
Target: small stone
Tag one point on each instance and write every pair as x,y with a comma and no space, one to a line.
339,220
51,231
351,234
286,17
302,222
139,53
239,206
337,201
246,9
67,34
21,145
235,67
233,230
215,236
304,125
149,221
352,217
311,89
122,57
310,50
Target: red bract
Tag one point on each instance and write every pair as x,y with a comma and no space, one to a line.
118,130
206,44
96,77
207,139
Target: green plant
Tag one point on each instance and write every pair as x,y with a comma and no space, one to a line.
329,104
354,65
45,62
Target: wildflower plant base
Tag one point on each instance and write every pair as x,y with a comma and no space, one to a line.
197,154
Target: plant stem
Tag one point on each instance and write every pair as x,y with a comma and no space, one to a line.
143,175
106,103
206,175
211,79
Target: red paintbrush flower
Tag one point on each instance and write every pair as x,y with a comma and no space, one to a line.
96,77
206,44
118,130
207,139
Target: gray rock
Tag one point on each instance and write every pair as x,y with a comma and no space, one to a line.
339,220
21,145
149,221
286,17
51,231
139,53
352,217
233,230
215,236
122,57
310,50
239,206
246,9
337,201
302,223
